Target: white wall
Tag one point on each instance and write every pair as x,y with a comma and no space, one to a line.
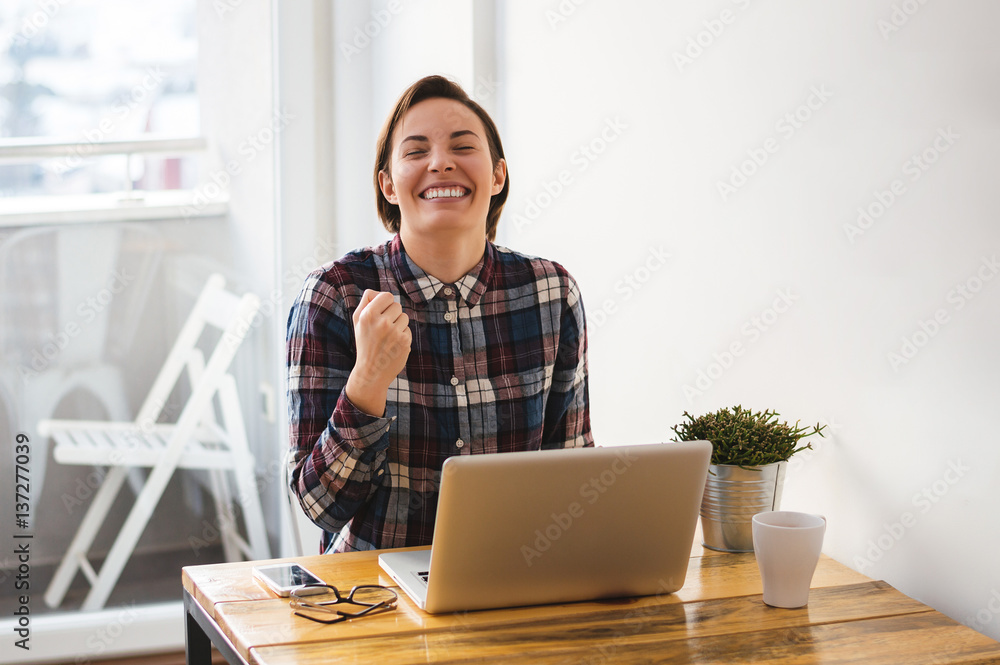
379,48
699,298
908,475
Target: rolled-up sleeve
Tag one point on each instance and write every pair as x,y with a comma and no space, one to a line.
339,451
567,411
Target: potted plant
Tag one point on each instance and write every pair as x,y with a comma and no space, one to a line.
750,451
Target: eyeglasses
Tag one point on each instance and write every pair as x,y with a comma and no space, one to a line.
371,597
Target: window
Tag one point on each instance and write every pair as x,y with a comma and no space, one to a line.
100,103
93,72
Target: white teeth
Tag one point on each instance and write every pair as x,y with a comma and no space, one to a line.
453,192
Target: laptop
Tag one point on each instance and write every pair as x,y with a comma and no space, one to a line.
558,526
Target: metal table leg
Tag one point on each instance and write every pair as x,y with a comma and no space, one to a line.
201,633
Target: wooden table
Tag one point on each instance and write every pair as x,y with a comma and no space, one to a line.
718,617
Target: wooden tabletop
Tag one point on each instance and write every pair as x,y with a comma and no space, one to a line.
717,617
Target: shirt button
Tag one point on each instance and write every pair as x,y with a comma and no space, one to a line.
459,443
448,290
449,316
454,380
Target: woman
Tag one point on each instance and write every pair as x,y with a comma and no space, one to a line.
436,343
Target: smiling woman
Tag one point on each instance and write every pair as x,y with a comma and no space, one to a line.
447,109
436,343
442,179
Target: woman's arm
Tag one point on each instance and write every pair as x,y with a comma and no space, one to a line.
339,449
567,410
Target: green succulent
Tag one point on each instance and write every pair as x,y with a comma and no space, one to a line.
745,438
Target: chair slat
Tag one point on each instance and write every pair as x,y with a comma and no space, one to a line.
100,440
220,308
75,439
195,440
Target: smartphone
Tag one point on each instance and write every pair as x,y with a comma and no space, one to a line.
281,578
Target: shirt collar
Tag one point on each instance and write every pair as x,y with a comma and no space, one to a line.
421,287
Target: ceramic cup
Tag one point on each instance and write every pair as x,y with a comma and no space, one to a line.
787,546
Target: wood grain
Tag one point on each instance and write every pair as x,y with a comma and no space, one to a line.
260,619
230,582
718,616
658,632
738,575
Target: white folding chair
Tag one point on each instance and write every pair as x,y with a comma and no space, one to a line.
48,289
304,535
197,440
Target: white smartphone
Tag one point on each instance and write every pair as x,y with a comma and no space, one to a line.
281,578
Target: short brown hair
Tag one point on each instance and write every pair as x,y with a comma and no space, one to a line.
434,87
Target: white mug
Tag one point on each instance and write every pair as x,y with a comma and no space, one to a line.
787,546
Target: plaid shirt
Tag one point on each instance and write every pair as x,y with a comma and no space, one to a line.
498,363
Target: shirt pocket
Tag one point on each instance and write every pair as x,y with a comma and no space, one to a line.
520,410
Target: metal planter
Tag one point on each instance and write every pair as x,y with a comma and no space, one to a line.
733,495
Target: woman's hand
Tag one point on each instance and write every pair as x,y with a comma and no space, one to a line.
383,338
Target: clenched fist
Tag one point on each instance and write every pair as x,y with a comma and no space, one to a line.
382,335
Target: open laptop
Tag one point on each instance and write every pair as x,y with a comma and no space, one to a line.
556,526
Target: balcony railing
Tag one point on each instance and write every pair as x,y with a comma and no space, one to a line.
127,204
